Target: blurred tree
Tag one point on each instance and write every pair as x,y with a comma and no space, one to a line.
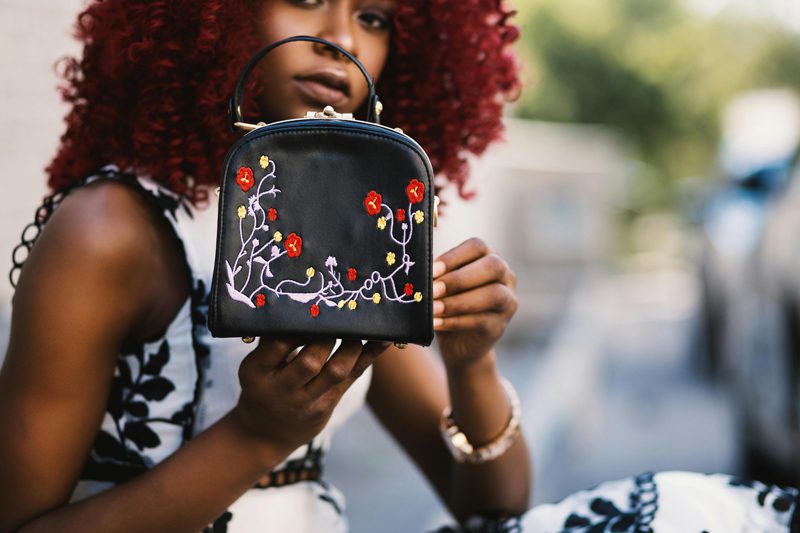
655,71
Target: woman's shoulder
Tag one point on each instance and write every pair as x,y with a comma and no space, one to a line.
107,223
107,237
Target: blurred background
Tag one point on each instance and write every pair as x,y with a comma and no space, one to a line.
646,195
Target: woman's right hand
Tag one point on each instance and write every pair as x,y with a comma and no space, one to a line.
287,402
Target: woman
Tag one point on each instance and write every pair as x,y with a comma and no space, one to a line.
118,412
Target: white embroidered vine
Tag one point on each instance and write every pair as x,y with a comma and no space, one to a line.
251,267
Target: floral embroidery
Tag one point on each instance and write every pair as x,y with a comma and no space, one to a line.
244,177
373,203
249,275
242,211
415,191
419,217
293,245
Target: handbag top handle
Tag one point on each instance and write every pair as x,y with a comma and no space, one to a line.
375,106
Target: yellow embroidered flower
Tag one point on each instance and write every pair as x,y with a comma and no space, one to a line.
340,304
278,236
376,298
382,223
242,211
417,296
310,272
264,161
352,305
390,258
419,217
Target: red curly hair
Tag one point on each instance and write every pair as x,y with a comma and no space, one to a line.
151,89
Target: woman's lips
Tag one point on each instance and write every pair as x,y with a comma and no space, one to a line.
321,93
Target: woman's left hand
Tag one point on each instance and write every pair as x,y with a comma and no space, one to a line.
474,299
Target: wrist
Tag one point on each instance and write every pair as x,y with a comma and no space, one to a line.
267,452
474,368
479,404
465,451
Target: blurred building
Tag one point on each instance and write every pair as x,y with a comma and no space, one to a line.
547,200
34,34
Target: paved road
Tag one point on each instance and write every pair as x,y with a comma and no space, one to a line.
613,394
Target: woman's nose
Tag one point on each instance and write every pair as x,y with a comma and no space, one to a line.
338,30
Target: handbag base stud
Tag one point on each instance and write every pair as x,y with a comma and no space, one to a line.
400,345
248,340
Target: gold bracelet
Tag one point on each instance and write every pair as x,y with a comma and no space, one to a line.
460,447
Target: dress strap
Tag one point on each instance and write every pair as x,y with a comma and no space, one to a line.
43,213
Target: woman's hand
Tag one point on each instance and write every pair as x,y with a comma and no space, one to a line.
287,402
474,299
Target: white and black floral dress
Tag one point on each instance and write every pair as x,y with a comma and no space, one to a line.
667,502
165,392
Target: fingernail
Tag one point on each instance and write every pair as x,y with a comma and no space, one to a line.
438,289
438,307
437,322
438,269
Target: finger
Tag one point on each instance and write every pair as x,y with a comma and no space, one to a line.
485,270
337,369
466,252
308,362
368,355
271,352
494,297
491,325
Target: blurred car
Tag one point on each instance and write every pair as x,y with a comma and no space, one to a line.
768,367
749,269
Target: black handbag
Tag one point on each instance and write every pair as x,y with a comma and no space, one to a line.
325,227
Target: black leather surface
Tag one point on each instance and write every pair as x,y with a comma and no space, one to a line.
324,170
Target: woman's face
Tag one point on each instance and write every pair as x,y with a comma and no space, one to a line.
300,77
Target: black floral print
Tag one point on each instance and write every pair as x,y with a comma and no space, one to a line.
136,386
777,499
607,517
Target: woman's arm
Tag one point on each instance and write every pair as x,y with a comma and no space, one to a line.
410,388
101,273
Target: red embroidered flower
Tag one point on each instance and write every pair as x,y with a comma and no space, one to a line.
373,203
272,214
415,191
293,245
261,300
244,177
401,215
314,310
408,289
351,274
